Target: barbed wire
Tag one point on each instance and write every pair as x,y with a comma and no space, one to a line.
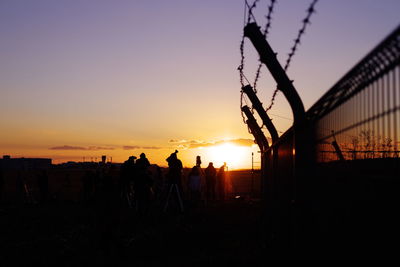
250,12
305,21
241,66
265,33
249,15
293,50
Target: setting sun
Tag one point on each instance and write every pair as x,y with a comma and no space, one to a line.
232,154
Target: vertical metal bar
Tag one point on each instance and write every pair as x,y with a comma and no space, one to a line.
382,118
370,105
396,103
330,120
388,108
373,107
362,114
358,111
378,99
364,102
344,107
355,111
336,118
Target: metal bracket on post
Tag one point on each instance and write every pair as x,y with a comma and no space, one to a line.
261,140
248,90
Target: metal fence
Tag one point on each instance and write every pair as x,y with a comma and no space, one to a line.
362,111
332,180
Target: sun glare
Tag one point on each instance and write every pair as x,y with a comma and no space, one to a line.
234,156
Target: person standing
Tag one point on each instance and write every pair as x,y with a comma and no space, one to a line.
195,185
198,161
175,170
174,178
221,183
127,175
210,174
142,184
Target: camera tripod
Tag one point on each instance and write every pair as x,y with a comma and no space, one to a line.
173,187
28,196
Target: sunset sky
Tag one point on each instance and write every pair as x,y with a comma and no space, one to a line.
81,79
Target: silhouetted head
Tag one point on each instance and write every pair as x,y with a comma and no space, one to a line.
142,156
210,164
198,161
172,157
132,158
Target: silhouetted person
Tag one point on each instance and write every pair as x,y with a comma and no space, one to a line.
195,184
198,161
174,177
221,183
174,170
43,184
210,174
127,175
142,184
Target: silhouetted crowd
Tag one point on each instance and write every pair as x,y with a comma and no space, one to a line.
111,194
137,184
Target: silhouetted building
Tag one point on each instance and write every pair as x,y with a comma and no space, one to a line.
24,163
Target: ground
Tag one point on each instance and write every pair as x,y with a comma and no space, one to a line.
71,234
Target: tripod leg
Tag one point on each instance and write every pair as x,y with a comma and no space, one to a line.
28,195
179,197
168,196
128,200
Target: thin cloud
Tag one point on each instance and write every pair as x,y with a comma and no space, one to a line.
177,141
130,147
140,147
89,148
65,147
100,148
197,143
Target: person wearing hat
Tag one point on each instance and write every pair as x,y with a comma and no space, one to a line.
210,173
127,175
142,184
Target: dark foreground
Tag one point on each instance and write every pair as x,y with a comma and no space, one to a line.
68,234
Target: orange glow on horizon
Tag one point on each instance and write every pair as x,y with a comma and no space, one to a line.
235,156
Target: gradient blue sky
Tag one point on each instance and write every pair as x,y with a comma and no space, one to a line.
122,77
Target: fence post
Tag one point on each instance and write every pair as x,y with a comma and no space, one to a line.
302,155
